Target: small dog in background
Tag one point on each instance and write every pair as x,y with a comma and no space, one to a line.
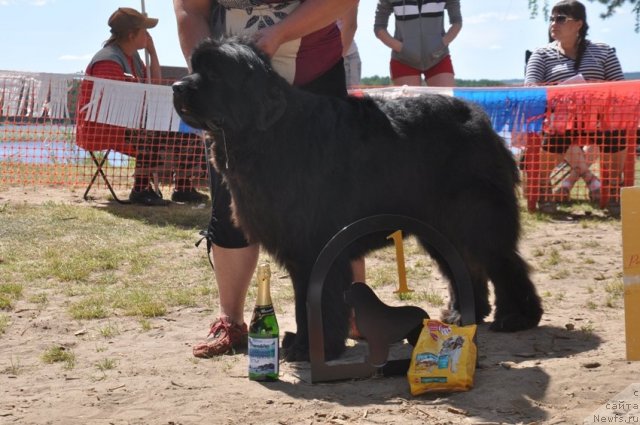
301,166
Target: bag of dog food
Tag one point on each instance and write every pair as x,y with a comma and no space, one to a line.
444,358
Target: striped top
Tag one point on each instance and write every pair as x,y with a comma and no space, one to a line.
299,61
548,65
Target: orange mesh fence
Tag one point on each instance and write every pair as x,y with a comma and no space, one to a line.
574,142
587,146
67,129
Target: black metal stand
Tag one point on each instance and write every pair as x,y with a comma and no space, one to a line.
321,371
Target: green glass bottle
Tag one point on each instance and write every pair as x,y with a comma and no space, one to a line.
264,332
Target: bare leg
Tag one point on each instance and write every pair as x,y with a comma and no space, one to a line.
612,173
577,158
444,79
358,269
409,80
234,269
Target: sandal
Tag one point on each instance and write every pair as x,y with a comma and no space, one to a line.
224,337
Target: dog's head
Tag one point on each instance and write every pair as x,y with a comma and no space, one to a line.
232,87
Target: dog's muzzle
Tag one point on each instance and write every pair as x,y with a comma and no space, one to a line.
180,94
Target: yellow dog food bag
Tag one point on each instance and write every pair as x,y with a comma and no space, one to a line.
444,358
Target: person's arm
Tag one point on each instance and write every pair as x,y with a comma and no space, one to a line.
452,33
612,68
455,21
192,17
534,74
310,16
154,63
381,21
348,27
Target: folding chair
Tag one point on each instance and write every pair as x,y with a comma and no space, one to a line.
99,172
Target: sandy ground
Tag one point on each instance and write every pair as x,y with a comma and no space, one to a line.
559,373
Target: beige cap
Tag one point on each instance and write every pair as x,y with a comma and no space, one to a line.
126,18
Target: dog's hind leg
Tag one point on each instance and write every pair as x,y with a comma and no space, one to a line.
479,282
518,305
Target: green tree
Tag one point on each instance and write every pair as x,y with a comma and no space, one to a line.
610,8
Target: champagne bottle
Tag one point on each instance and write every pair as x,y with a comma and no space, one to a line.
263,332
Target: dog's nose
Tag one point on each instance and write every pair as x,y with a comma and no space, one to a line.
179,86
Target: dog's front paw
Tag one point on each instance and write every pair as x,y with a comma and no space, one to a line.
294,350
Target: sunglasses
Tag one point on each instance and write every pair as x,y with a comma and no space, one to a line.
560,19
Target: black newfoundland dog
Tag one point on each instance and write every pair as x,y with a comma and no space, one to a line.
300,167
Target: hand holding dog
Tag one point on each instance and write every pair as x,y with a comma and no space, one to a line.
268,40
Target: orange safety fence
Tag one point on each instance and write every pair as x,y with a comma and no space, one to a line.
77,131
65,129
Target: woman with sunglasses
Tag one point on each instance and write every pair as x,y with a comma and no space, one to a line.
571,57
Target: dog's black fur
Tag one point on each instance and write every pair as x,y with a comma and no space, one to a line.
301,166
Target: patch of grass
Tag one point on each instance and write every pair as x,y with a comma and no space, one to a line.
4,323
141,302
590,243
538,252
106,364
89,308
109,331
145,324
554,258
59,354
587,329
615,289
591,305
6,303
560,274
14,368
9,293
382,276
145,264
429,297
41,299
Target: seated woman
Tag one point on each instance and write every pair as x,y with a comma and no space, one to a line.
569,55
119,60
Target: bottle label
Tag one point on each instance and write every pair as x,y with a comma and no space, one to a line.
261,311
263,356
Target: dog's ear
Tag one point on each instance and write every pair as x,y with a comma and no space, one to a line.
272,109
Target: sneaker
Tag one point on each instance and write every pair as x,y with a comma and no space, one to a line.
224,336
614,208
190,196
146,197
547,207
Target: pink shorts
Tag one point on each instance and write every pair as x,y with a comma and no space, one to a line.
398,69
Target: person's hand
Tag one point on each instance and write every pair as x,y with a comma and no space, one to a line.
268,40
396,45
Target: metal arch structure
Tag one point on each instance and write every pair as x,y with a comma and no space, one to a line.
321,371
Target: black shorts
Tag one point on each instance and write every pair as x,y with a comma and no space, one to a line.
609,141
222,231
